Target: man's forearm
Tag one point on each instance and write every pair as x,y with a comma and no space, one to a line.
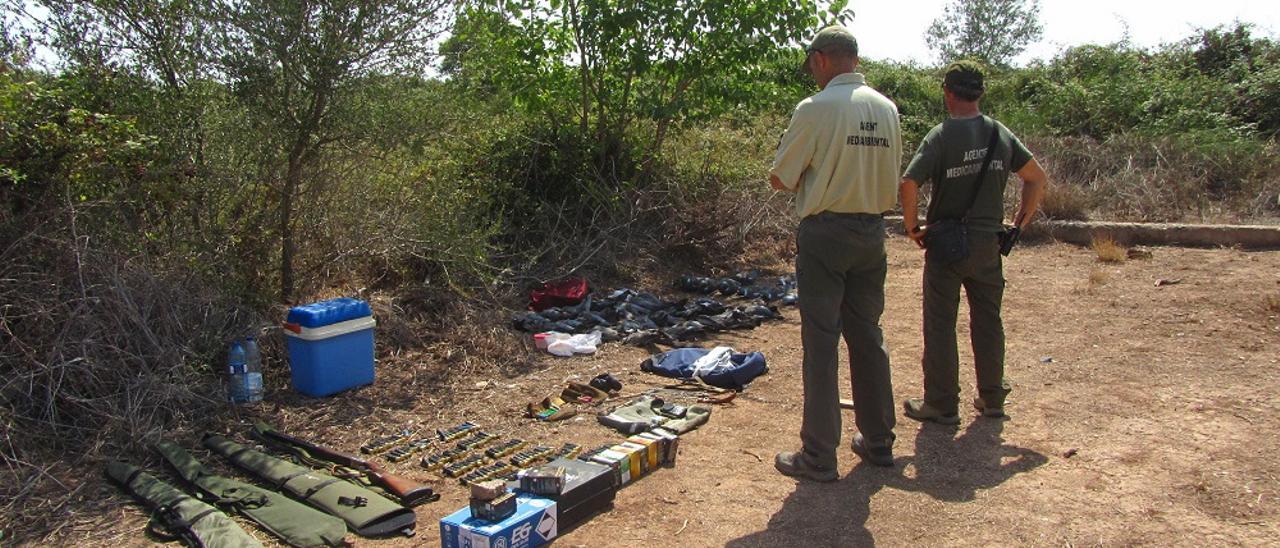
909,194
1034,181
1032,194
777,184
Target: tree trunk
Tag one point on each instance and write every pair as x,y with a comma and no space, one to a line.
660,135
291,180
305,147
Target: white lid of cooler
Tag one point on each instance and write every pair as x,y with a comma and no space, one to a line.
328,331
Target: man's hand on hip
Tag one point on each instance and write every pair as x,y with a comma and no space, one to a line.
777,184
917,233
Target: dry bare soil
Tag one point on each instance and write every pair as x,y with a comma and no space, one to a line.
1142,414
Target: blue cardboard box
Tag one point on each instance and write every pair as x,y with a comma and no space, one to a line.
533,524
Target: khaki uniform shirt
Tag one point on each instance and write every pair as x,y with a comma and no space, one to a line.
842,151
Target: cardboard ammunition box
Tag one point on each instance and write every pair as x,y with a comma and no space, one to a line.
660,445
652,448
620,462
635,457
534,523
488,490
589,488
495,509
544,480
639,456
673,444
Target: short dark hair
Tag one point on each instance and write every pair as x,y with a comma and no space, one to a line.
965,94
841,51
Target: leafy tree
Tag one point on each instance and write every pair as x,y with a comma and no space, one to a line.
295,62
293,66
991,31
614,66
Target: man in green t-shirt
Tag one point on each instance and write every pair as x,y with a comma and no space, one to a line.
952,156
840,154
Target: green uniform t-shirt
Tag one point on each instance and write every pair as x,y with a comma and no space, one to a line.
951,156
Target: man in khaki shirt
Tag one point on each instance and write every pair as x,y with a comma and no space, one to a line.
841,155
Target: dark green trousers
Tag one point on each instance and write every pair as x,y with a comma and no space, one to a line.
982,277
840,271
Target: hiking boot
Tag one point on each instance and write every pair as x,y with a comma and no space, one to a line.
922,411
879,456
988,411
794,464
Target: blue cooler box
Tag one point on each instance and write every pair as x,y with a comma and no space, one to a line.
330,346
533,524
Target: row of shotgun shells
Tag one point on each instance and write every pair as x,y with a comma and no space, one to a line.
507,470
405,451
638,455
505,448
378,445
461,467
384,443
458,451
497,470
477,440
455,432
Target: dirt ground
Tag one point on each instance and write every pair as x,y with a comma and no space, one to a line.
1141,414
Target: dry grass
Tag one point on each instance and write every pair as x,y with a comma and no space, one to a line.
1146,179
99,354
1066,201
1108,251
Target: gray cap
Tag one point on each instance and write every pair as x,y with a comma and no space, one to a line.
834,36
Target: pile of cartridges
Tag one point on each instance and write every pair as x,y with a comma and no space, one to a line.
477,456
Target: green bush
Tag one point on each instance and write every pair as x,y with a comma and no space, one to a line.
52,148
916,91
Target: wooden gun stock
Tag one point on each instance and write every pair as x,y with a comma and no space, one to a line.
409,492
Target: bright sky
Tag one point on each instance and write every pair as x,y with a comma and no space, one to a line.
894,29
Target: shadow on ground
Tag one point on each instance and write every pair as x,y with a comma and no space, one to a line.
947,467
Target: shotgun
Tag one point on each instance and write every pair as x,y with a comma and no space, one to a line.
408,491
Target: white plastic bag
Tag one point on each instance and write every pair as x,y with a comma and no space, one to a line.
565,345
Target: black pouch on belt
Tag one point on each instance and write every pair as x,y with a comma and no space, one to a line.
948,241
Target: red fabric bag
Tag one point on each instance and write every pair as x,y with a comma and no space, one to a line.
566,292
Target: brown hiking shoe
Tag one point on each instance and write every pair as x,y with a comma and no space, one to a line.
920,410
988,411
794,464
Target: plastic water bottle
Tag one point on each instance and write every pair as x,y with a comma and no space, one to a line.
253,370
236,368
246,379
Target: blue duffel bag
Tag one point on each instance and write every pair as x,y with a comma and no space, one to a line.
719,366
